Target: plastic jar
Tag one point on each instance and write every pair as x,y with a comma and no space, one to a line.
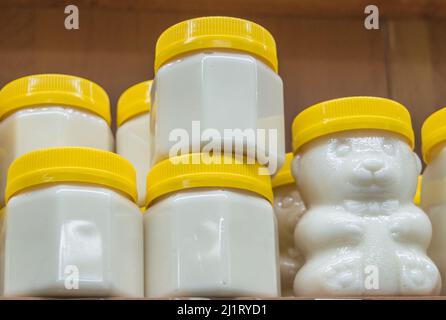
72,226
223,72
209,230
289,208
433,188
132,135
51,110
357,173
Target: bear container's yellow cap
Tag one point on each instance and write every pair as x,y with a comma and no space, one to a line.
71,164
133,102
216,33
433,132
54,89
284,176
197,171
351,113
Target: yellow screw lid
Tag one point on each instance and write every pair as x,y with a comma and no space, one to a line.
191,171
54,89
433,132
351,113
284,176
216,33
417,197
71,164
134,101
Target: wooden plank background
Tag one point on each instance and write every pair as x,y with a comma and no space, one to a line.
321,56
294,8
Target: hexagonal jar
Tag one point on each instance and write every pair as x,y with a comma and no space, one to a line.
51,110
132,133
223,72
210,231
72,226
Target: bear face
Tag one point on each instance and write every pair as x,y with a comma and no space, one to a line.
359,165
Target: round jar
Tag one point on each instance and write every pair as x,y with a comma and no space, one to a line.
289,208
72,226
210,230
433,188
214,74
357,173
51,110
132,135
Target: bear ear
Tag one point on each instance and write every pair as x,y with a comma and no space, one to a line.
417,162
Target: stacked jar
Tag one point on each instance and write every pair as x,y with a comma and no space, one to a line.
217,74
51,110
209,229
70,210
132,135
216,97
73,228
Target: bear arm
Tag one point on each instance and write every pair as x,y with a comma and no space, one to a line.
326,228
411,226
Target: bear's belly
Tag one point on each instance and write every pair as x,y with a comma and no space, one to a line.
368,267
381,265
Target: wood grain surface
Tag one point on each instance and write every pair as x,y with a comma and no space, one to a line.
295,8
321,55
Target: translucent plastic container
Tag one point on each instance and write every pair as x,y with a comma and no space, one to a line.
132,135
72,226
210,231
289,208
357,174
51,110
433,188
223,72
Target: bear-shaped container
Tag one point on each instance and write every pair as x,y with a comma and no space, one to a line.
357,173
288,208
